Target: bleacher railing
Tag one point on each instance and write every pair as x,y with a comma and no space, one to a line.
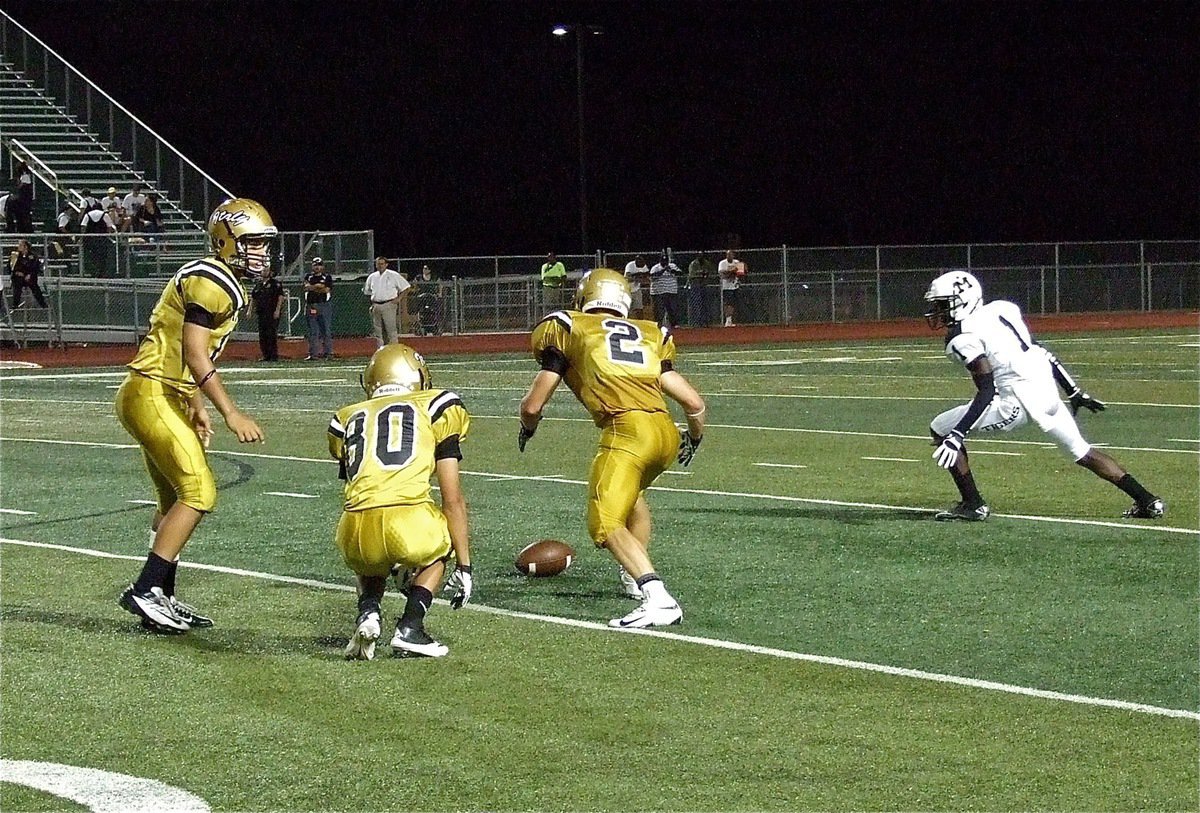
103,288
167,169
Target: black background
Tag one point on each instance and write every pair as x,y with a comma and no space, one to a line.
450,127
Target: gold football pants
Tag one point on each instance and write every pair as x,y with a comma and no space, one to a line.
635,447
156,416
374,539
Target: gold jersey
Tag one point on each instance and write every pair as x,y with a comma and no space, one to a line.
612,364
209,284
388,445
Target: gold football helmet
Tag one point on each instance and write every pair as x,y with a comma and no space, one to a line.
603,289
241,233
395,369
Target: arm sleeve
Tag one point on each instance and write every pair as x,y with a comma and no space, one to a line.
549,342
1061,376
985,391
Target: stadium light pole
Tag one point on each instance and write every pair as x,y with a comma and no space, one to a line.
579,30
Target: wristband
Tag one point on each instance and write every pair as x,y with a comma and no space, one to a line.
200,384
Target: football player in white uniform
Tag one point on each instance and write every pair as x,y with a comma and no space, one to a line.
1015,381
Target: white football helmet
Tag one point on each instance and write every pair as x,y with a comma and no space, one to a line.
952,297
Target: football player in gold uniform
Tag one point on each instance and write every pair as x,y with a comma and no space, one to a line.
161,401
619,369
389,446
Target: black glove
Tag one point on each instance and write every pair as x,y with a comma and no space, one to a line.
687,447
523,436
1081,400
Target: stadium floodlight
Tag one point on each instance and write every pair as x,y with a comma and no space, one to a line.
579,29
560,30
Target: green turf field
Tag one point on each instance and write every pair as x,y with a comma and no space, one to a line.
1053,653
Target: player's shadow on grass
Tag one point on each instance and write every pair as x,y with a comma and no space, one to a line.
848,514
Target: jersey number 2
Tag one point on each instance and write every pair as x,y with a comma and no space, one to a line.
620,334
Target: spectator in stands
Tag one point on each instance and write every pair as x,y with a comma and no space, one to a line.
24,198
8,205
386,291
93,225
86,199
134,200
110,201
268,304
120,219
24,178
638,274
554,279
150,217
25,267
730,270
700,277
664,290
318,308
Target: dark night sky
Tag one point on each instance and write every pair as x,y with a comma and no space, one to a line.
450,127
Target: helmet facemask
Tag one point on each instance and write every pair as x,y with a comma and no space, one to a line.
244,237
952,297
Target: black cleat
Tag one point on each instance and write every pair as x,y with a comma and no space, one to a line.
189,614
1151,510
962,513
409,642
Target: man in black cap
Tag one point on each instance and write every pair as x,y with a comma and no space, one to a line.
318,307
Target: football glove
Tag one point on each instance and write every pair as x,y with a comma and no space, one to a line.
947,453
523,436
687,447
459,586
1081,400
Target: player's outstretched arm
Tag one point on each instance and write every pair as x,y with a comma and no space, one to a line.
681,391
540,392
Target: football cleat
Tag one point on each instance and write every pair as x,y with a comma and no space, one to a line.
1151,510
414,642
629,584
154,609
647,615
362,642
189,614
962,513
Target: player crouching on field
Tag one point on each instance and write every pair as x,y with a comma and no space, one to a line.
1015,383
389,446
619,369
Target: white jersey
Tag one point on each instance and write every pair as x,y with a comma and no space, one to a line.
996,330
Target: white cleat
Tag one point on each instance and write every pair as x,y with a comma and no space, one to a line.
647,615
629,584
155,610
410,642
362,642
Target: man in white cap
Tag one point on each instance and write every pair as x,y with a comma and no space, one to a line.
110,201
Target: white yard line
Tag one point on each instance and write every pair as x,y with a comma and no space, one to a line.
896,671
18,512
553,478
892,459
290,494
780,465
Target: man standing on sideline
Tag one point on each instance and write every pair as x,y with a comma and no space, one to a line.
637,274
268,304
386,290
619,369
318,308
554,278
664,290
161,402
730,270
1015,381
700,276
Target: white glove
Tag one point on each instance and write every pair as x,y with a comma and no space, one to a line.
947,453
459,586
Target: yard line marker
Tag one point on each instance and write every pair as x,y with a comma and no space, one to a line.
892,459
781,465
18,511
678,473
1183,440
1006,454
290,494
142,502
736,646
553,478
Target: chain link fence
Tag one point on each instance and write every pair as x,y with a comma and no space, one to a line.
101,288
